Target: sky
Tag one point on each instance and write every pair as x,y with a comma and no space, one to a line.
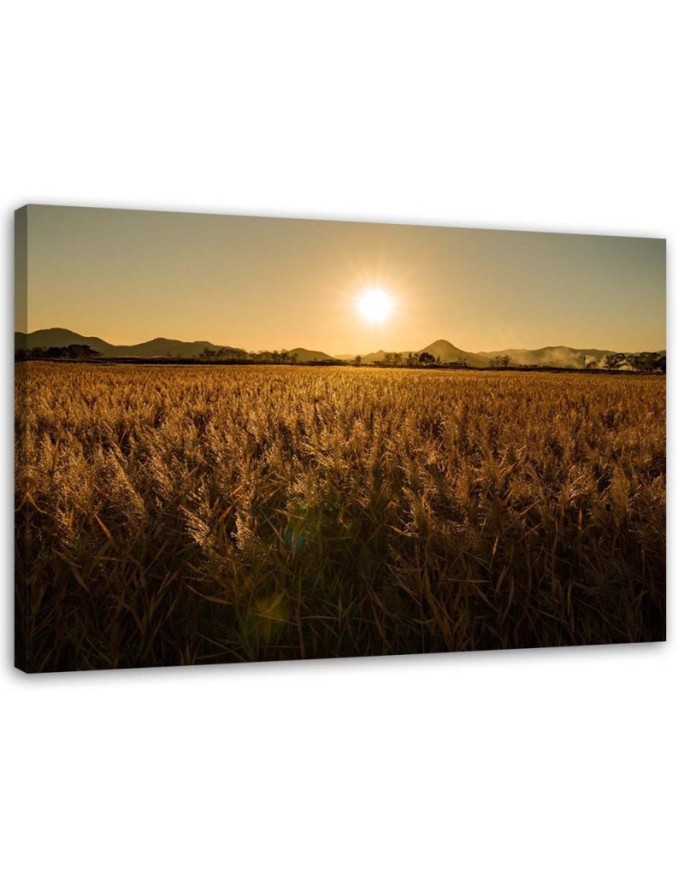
264,283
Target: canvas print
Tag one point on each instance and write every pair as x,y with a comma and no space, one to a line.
256,439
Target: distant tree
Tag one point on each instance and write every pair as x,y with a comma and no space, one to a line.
357,360
426,358
500,362
411,359
83,351
641,362
393,359
647,362
71,352
615,360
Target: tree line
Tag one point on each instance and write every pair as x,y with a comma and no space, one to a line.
66,352
641,362
398,359
281,356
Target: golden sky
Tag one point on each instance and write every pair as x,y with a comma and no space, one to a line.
262,283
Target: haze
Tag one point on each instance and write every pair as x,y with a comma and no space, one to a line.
261,283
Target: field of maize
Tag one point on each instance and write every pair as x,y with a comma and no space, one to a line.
207,514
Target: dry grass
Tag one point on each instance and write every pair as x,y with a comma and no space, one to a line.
211,514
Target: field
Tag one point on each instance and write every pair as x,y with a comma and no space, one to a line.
178,515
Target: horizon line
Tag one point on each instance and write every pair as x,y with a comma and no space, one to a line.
311,348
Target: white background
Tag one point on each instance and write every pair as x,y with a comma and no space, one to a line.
545,116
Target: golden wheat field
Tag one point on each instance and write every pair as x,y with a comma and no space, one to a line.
178,515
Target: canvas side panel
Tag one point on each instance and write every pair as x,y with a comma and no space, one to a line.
666,257
21,598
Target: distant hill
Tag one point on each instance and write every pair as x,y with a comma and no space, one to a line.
551,356
58,337
448,353
160,347
305,355
373,357
155,348
442,350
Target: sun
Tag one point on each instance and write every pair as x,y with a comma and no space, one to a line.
375,305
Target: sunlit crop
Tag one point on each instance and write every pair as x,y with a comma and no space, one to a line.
177,515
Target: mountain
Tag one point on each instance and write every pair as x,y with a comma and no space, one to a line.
448,353
551,356
304,355
373,357
160,347
58,337
441,349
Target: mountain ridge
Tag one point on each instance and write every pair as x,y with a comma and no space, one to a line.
159,347
441,349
